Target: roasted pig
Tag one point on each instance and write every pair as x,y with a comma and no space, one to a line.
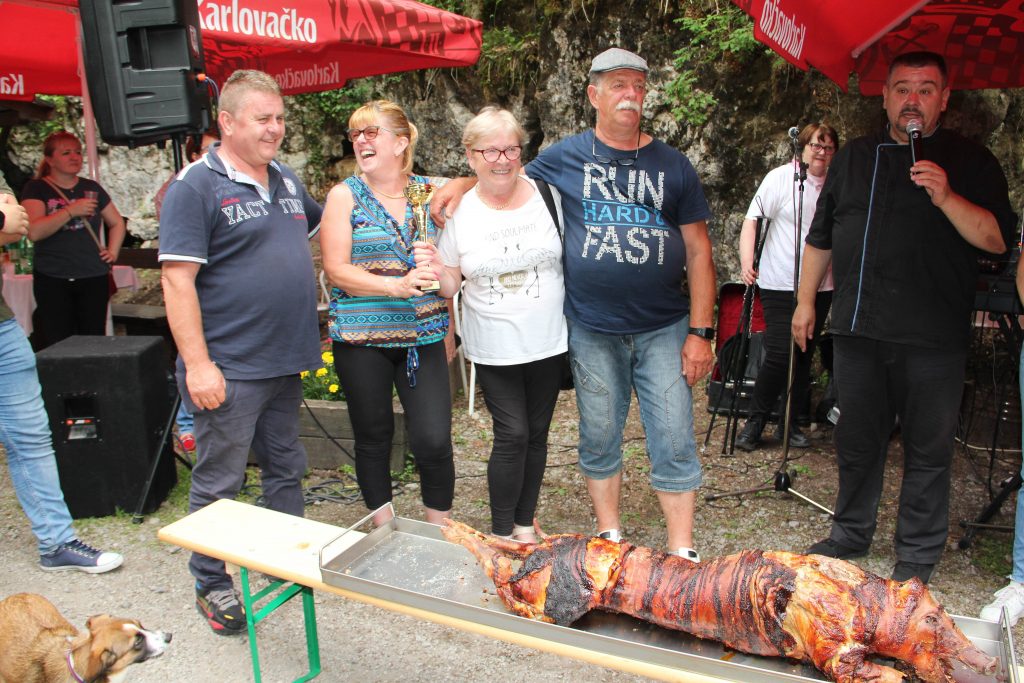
810,608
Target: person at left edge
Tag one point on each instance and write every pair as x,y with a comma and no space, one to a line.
25,435
241,300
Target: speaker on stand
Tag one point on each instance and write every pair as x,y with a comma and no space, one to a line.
108,400
144,64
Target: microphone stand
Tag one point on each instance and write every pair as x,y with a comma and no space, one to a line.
782,480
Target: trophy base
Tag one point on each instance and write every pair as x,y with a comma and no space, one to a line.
432,287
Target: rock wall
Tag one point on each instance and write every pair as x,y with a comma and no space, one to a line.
544,82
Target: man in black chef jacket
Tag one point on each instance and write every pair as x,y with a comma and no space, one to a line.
902,225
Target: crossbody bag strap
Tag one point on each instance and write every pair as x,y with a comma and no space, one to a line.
58,190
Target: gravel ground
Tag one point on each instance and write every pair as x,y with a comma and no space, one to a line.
360,642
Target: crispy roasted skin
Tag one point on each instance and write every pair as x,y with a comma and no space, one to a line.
811,608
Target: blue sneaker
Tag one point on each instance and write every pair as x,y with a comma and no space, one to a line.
79,556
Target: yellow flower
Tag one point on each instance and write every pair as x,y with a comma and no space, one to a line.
321,372
327,357
304,374
333,388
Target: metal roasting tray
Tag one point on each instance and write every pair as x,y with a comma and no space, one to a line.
410,563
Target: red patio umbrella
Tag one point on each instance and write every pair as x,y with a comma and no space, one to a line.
981,40
307,45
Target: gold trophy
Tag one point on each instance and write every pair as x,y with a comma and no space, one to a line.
419,195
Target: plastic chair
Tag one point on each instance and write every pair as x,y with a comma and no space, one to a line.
470,388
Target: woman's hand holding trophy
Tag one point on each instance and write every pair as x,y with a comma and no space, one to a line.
424,251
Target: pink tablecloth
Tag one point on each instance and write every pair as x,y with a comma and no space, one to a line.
18,294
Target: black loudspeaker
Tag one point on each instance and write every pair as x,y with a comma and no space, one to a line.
109,399
142,62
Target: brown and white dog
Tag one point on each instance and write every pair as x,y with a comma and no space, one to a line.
38,645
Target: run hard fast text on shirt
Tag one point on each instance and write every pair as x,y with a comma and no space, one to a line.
626,227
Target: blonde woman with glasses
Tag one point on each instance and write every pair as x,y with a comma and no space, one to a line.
387,331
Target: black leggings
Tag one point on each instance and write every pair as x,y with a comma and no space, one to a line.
367,375
778,335
521,399
66,307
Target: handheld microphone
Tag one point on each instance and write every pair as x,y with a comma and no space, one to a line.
914,132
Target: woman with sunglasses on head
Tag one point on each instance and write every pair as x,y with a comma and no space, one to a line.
777,199
71,278
387,332
504,241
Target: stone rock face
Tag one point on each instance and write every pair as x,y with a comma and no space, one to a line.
758,98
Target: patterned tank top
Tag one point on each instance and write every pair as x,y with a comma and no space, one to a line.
383,247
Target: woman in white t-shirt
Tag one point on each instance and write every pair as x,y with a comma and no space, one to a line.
503,241
777,199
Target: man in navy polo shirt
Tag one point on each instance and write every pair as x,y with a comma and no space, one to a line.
240,293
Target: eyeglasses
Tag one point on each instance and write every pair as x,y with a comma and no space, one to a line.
491,154
608,160
817,147
370,132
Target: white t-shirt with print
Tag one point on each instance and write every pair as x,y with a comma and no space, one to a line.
776,198
513,292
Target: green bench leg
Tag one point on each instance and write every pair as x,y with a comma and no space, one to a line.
280,593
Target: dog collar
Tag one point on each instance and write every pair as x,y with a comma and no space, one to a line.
71,667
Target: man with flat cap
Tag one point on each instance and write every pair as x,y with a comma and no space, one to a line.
635,219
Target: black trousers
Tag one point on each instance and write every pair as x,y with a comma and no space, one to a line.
778,337
521,399
368,375
67,307
879,382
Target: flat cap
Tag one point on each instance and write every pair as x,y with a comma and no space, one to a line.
616,58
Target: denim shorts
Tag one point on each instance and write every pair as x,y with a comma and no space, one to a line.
606,369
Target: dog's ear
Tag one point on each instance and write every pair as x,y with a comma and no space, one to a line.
95,619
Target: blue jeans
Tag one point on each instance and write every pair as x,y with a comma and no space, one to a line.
25,434
184,420
606,369
1018,533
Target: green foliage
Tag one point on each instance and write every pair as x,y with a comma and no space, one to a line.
457,6
325,116
993,553
67,115
506,57
707,40
408,475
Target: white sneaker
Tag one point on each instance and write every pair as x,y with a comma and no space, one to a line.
687,554
1010,596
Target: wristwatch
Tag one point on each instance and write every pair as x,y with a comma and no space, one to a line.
703,332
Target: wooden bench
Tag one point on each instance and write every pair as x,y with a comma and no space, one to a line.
289,547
